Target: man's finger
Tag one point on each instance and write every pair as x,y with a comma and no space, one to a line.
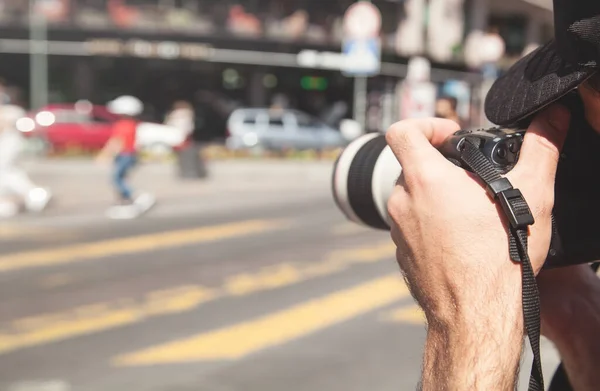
543,142
414,141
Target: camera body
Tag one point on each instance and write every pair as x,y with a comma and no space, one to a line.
576,231
501,146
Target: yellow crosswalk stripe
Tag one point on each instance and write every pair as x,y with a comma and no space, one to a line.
286,274
239,340
97,317
412,314
11,232
87,251
53,327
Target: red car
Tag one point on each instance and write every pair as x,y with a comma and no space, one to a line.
88,127
61,126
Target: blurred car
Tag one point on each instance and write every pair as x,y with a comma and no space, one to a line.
89,127
262,128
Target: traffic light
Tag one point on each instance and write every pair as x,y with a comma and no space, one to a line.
314,83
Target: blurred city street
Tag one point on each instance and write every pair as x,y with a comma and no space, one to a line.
250,280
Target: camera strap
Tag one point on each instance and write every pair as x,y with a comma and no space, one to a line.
519,216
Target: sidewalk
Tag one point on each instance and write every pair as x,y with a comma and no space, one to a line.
79,184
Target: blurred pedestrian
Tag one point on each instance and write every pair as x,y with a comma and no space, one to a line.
182,117
189,155
121,148
16,188
447,107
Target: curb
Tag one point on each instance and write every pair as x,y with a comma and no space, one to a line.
216,152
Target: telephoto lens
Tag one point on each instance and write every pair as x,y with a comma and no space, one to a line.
364,176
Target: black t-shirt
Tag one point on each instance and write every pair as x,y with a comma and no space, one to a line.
577,189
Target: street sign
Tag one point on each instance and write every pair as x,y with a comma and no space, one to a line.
361,46
361,57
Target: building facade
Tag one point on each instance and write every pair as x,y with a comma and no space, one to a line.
231,53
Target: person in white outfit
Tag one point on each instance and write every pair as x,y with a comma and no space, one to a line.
181,117
17,190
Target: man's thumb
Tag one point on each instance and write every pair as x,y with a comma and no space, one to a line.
543,142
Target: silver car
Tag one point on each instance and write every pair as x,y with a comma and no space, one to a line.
268,129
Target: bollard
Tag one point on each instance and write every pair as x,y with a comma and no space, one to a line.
190,161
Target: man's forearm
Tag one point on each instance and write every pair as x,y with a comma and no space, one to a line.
461,357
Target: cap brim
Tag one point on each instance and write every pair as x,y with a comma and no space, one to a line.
535,81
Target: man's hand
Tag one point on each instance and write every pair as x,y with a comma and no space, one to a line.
570,311
452,246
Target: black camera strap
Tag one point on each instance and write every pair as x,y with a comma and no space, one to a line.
519,216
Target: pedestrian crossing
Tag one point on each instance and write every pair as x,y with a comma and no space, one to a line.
239,340
352,278
97,317
102,316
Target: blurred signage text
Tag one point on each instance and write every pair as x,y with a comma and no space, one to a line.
316,59
148,49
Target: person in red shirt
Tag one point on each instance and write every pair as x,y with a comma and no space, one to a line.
122,144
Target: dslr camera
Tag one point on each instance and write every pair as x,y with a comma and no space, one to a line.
365,174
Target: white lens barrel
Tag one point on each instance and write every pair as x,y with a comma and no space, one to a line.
364,176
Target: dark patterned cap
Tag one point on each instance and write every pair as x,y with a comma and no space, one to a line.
553,70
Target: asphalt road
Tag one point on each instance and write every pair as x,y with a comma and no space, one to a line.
281,294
